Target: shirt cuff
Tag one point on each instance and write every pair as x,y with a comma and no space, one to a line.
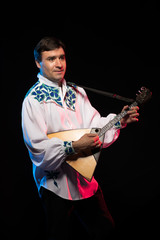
69,150
118,125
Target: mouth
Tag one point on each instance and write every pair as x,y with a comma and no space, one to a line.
59,71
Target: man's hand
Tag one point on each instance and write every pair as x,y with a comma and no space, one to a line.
87,141
132,115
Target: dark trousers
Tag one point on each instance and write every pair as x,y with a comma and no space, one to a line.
82,219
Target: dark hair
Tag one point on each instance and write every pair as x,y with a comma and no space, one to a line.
47,44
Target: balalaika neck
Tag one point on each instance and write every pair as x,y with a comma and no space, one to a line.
116,119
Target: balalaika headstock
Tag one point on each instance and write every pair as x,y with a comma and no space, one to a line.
143,96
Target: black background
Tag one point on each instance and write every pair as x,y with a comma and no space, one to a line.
111,47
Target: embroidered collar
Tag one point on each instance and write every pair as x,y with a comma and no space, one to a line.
44,93
70,98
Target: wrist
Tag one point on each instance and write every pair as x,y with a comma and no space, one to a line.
120,124
68,147
123,123
75,146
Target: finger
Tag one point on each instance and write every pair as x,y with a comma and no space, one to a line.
134,119
125,108
98,144
135,108
134,115
96,139
132,112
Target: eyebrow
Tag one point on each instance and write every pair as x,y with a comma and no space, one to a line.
55,56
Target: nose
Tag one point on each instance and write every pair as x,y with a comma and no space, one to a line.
58,63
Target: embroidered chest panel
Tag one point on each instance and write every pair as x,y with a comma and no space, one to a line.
45,93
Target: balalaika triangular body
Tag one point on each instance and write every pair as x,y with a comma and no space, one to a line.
86,161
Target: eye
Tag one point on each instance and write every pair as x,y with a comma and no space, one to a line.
62,57
51,59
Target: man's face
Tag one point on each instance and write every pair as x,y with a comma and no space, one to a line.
53,64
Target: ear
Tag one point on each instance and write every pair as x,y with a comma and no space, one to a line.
38,64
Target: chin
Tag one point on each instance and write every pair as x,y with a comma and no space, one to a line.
60,78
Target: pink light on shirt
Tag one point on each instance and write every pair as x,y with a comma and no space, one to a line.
69,194
85,188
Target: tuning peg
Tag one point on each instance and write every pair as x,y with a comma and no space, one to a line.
143,88
139,91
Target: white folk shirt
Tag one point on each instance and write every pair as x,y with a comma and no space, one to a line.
48,108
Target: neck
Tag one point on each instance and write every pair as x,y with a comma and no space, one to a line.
56,81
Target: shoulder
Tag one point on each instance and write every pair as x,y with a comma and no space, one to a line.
42,92
32,90
32,98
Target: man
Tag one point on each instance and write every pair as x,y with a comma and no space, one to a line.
74,206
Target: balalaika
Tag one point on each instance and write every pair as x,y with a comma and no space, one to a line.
86,161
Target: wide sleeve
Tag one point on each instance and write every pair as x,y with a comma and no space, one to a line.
92,119
45,153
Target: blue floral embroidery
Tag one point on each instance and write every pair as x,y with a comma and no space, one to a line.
46,93
70,98
52,175
68,148
30,90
